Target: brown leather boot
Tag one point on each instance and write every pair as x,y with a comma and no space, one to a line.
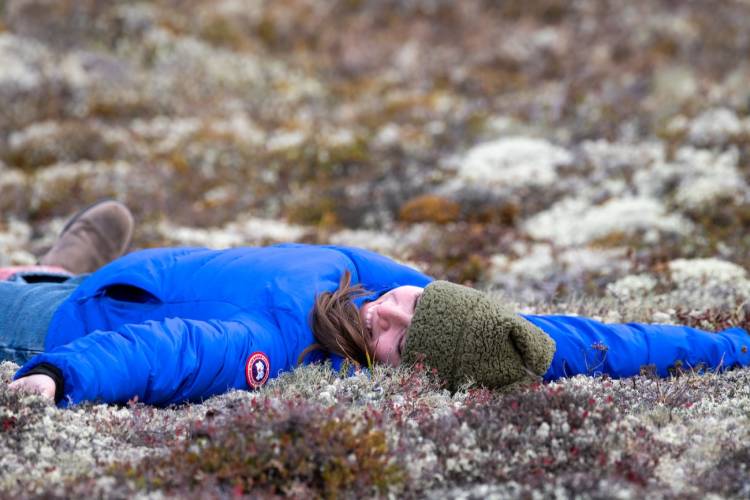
93,237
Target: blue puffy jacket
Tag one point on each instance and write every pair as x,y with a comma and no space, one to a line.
180,325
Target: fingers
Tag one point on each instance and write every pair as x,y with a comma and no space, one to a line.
37,383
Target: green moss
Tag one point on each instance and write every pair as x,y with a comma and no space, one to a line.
266,31
430,208
222,32
320,211
70,142
119,106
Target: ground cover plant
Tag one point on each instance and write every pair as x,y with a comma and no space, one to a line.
578,157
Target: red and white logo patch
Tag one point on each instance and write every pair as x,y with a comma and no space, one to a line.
257,369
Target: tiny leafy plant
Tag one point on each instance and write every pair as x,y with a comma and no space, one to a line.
277,448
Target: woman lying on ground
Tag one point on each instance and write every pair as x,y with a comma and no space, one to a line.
177,325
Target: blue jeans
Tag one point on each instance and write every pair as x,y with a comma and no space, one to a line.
26,310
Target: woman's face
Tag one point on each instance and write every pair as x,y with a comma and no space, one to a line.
387,319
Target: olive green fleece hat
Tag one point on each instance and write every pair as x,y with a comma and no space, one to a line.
465,335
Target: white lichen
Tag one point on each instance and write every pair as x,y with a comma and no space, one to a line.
14,241
514,162
632,287
23,62
707,178
573,221
706,272
616,158
714,126
244,230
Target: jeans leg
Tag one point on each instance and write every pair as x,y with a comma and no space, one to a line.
26,310
33,274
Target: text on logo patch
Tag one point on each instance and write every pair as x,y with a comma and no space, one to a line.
257,369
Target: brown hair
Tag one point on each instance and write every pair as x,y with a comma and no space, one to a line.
337,326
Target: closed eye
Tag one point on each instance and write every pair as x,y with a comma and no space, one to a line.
416,302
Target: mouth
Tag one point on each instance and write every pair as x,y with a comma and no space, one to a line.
368,317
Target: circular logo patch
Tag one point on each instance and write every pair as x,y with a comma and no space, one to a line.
257,369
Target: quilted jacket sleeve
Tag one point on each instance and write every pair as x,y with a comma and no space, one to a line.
164,362
589,347
377,272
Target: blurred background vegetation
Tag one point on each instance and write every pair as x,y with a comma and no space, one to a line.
352,121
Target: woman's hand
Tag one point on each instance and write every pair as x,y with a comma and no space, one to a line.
39,383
